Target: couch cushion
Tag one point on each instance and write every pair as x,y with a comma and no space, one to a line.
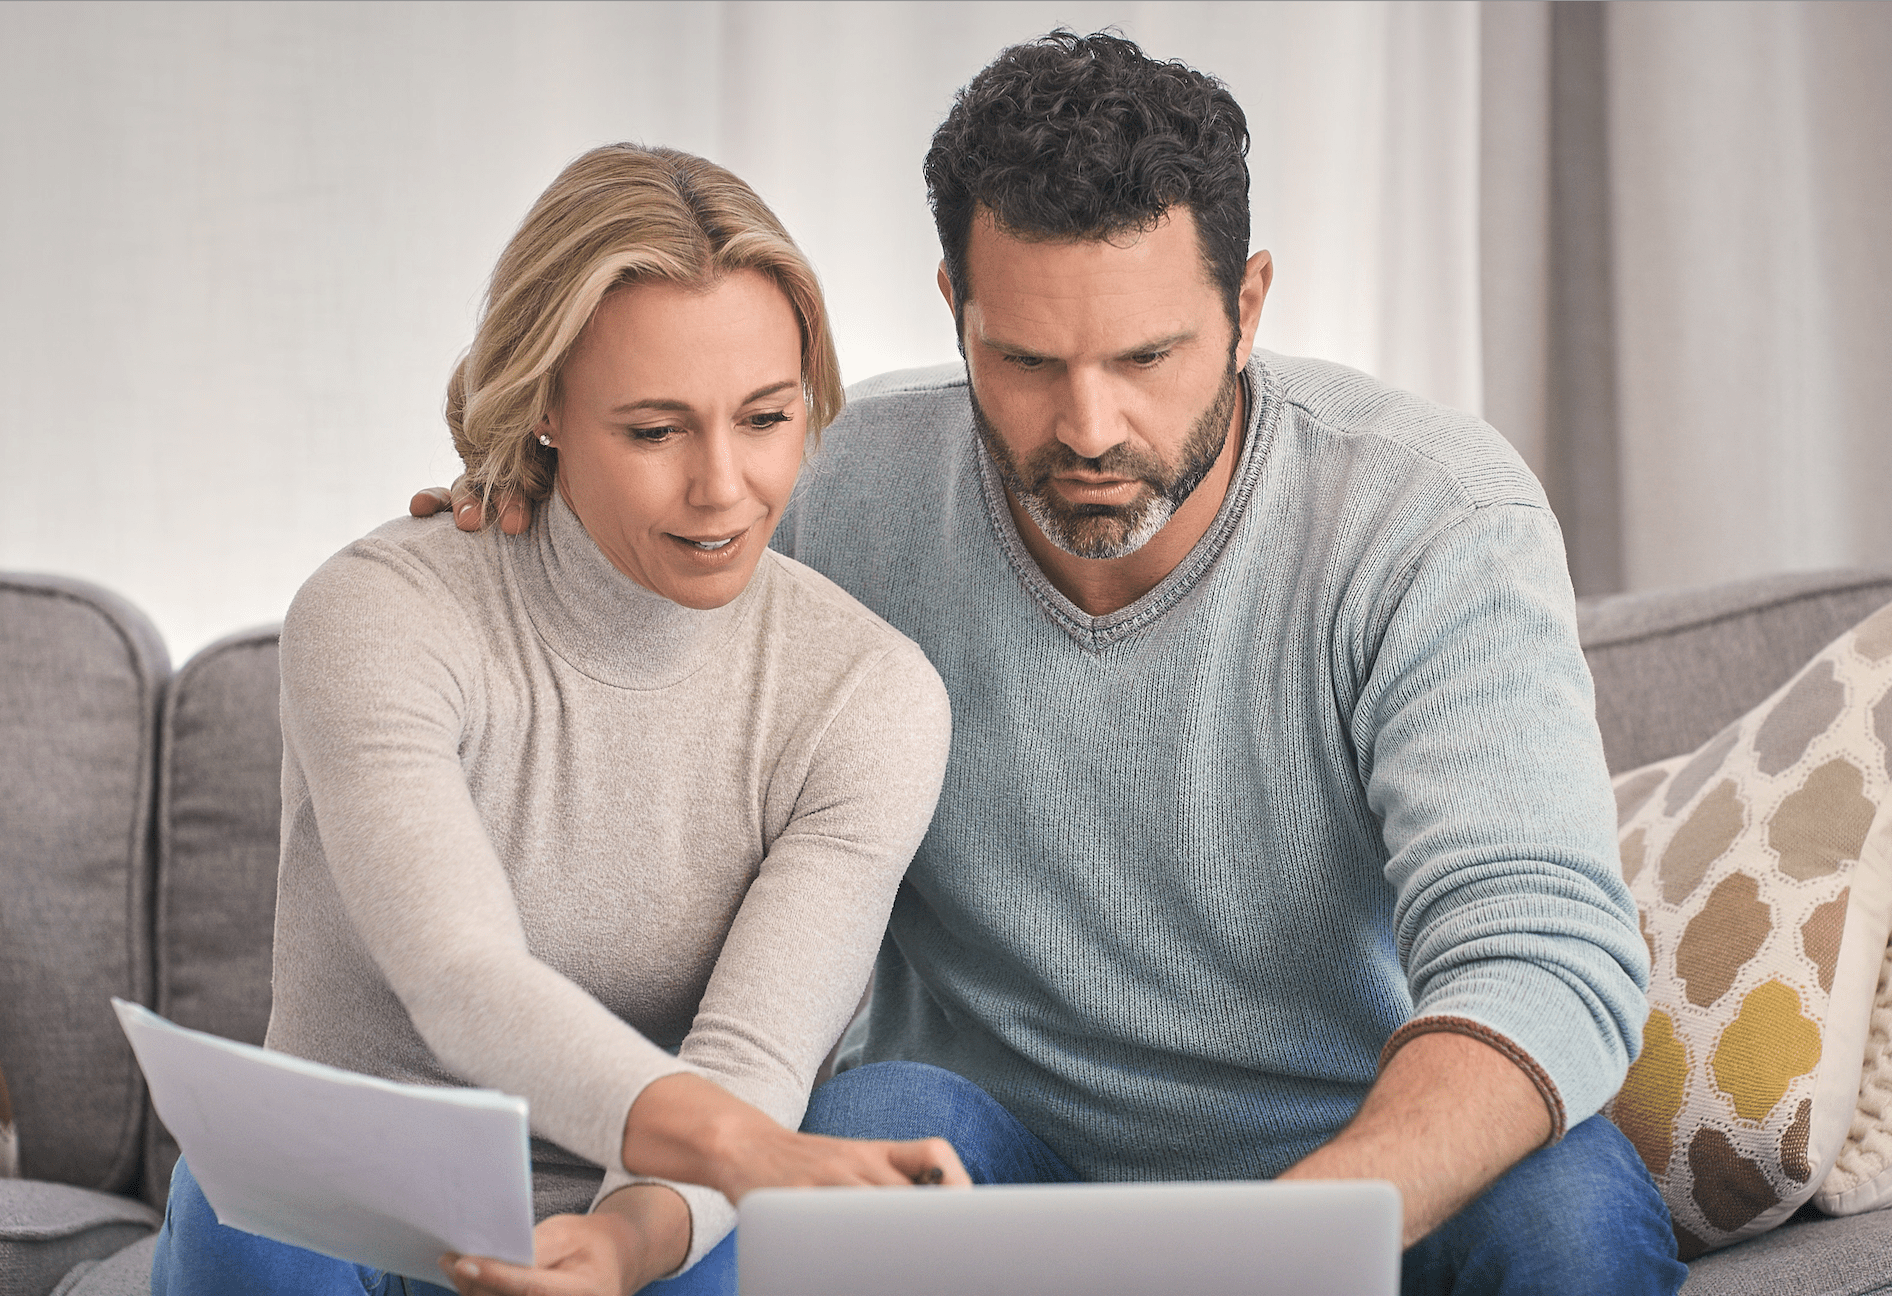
125,1273
219,806
1673,668
81,676
1808,1256
46,1229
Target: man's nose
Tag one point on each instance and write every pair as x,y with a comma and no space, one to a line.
1090,422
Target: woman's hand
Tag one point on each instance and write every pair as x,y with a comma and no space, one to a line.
636,1235
687,1128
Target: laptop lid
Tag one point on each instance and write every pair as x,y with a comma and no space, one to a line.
1255,1238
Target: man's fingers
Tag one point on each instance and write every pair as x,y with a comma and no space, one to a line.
515,514
929,1161
513,510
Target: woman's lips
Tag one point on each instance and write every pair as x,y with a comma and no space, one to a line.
711,550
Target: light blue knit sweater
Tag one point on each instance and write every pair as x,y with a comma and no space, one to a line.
1197,861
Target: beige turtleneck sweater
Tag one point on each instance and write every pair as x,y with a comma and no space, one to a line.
542,826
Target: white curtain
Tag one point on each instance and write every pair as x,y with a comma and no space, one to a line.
241,244
1687,310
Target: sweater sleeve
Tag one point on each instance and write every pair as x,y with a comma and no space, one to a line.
379,674
803,943
1477,735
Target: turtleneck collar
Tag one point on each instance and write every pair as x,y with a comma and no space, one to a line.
601,621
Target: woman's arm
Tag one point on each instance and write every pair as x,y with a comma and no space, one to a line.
801,947
382,683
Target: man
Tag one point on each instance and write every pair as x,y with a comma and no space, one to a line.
1276,839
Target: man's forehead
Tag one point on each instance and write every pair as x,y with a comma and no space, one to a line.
1154,278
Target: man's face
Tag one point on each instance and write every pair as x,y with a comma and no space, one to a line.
1103,378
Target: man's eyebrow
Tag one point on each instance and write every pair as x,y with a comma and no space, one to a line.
1163,343
684,407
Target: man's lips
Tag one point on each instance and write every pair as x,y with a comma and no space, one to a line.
1097,490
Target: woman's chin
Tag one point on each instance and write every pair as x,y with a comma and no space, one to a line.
706,590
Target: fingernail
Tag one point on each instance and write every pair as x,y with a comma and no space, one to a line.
468,1269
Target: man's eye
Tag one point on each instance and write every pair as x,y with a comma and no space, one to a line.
1026,362
1148,359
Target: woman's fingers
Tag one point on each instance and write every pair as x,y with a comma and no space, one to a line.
569,1262
481,1276
928,1161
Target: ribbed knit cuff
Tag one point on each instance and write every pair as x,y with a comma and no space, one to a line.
711,1215
1485,1035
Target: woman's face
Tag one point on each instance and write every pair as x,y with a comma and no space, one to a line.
679,431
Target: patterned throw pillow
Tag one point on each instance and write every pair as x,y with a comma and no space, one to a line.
1762,869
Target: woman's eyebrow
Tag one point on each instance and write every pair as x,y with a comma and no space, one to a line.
773,389
684,407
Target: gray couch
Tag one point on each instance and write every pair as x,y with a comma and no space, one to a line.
138,814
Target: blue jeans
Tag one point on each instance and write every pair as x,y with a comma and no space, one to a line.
1582,1216
197,1256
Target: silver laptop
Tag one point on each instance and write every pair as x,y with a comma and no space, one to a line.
1256,1238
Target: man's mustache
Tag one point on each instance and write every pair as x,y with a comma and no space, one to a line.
1118,461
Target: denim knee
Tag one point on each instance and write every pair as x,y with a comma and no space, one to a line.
198,1256
1581,1216
909,1100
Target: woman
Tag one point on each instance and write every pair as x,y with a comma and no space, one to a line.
629,781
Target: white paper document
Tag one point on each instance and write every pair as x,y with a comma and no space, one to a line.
381,1174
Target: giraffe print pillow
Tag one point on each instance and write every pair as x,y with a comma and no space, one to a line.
1761,865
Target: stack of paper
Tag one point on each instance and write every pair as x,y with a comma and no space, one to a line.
377,1173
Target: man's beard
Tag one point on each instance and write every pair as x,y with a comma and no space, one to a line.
1111,530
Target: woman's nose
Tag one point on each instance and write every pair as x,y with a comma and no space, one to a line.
716,482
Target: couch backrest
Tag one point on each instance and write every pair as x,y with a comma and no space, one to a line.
82,674
1675,667
219,803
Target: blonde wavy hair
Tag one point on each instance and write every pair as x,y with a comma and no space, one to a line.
620,214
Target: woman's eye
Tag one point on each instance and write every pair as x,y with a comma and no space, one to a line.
763,422
654,435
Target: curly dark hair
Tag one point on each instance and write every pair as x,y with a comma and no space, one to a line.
1087,137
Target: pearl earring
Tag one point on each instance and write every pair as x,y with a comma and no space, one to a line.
544,440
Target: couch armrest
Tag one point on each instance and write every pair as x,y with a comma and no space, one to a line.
47,1228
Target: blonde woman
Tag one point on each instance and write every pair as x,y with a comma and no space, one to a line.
558,804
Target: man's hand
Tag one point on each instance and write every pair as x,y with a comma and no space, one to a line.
515,511
687,1128
637,1234
1446,1119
